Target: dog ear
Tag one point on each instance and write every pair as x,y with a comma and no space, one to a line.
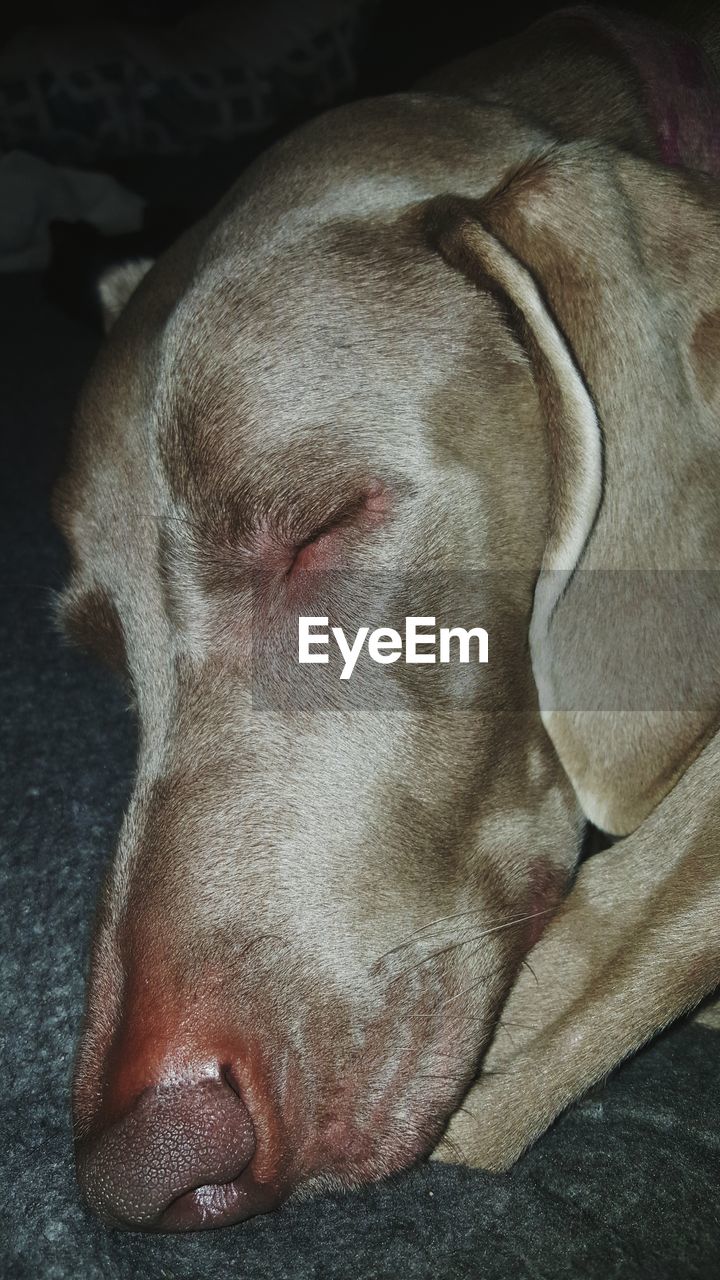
608,268
117,284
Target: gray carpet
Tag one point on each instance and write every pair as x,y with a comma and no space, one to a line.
625,1185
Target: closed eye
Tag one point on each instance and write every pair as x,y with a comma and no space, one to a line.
321,552
324,549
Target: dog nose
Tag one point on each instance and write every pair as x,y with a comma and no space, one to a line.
174,1161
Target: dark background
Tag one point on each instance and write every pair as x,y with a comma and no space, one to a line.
625,1184
393,43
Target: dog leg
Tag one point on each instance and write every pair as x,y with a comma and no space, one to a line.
636,944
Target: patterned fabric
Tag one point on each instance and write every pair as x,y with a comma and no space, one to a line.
72,94
682,89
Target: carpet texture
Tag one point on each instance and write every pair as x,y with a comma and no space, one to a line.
624,1185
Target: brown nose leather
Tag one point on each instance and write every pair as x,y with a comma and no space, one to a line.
172,1161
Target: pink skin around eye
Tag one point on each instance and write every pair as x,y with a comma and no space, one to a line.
325,552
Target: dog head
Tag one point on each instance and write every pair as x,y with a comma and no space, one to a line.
342,398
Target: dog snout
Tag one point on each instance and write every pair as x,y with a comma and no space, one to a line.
177,1160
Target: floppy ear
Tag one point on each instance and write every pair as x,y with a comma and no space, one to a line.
117,284
608,267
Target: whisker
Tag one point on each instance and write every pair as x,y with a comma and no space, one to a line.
456,1149
470,1114
448,998
425,928
480,937
429,1075
486,1074
500,1026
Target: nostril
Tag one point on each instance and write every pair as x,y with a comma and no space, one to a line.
173,1161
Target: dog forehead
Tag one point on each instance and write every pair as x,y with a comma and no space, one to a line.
263,360
337,340
331,289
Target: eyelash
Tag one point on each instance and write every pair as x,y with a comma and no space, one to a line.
362,514
312,548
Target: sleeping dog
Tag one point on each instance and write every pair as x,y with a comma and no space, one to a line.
450,354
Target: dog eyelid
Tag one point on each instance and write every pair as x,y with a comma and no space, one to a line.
323,548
